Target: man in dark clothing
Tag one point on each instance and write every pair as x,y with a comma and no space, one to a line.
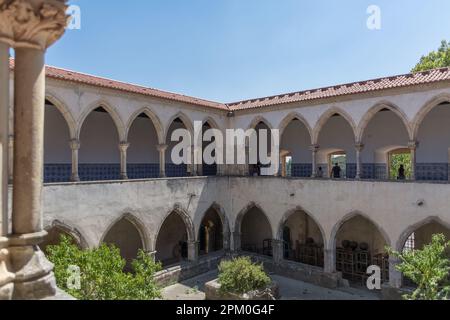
336,173
401,173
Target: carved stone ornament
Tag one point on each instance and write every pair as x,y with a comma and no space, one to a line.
32,23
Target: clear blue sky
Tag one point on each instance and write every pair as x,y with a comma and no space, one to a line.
227,50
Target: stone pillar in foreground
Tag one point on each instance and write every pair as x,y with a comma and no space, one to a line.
123,147
236,241
6,276
314,149
10,158
75,147
359,148
162,148
412,145
36,25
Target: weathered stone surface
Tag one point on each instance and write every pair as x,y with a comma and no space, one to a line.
212,292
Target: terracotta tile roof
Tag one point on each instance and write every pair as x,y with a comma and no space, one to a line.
399,81
81,78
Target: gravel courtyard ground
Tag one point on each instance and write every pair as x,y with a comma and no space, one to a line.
290,289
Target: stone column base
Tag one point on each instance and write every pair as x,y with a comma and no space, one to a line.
34,278
6,277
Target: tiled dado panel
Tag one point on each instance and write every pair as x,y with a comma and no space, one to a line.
143,170
375,171
432,171
301,170
57,172
174,170
209,169
99,171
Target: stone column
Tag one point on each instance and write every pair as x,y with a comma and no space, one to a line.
34,276
413,145
236,242
359,148
314,149
36,25
4,138
123,147
192,251
6,277
10,158
329,260
277,251
75,147
162,148
395,276
226,240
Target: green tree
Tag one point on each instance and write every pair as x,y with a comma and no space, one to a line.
240,275
428,268
102,275
435,59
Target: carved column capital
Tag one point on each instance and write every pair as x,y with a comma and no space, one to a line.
123,146
359,146
413,145
161,147
314,148
32,23
75,144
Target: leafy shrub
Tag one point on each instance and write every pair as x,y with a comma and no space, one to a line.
428,268
240,275
102,275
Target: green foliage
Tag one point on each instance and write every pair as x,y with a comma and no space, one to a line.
435,59
102,273
428,268
400,159
240,275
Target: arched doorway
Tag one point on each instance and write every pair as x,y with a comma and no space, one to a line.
142,156
125,236
172,241
211,233
302,239
99,157
360,244
256,232
57,153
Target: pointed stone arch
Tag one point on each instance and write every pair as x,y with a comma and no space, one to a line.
189,224
66,113
186,122
410,229
242,213
110,110
137,224
257,120
222,215
73,232
289,213
294,116
324,119
425,110
370,114
153,118
348,217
